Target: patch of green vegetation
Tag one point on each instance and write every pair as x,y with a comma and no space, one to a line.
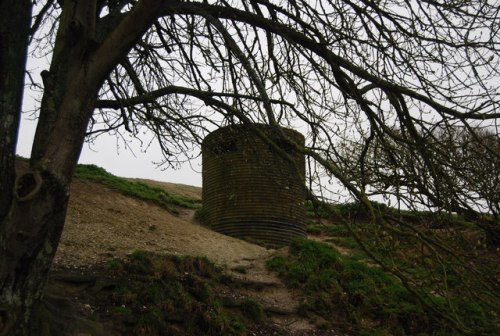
337,231
337,287
316,210
139,255
114,265
347,242
314,227
358,211
240,269
139,190
201,216
122,310
170,295
252,309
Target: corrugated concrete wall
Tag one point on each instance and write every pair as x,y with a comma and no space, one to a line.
250,191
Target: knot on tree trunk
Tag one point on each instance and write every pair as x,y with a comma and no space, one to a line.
28,185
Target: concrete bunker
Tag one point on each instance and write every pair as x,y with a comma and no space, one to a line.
249,191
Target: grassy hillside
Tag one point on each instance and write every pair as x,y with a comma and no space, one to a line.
135,189
407,273
350,290
416,273
345,290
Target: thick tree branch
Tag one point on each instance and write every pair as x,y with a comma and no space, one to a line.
172,89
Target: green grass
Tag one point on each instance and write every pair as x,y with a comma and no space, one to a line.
252,309
240,269
357,211
201,216
434,273
170,295
139,190
342,289
316,210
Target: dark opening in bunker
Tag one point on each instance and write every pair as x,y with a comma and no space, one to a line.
224,146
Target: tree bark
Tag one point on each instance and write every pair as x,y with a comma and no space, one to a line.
16,17
71,50
29,239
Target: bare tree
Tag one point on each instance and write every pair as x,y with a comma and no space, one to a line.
348,72
467,183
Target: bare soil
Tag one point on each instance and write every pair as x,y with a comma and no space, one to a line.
102,224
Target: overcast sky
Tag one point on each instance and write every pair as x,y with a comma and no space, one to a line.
115,159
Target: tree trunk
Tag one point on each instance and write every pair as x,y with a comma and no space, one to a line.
24,216
36,207
31,231
29,239
15,17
